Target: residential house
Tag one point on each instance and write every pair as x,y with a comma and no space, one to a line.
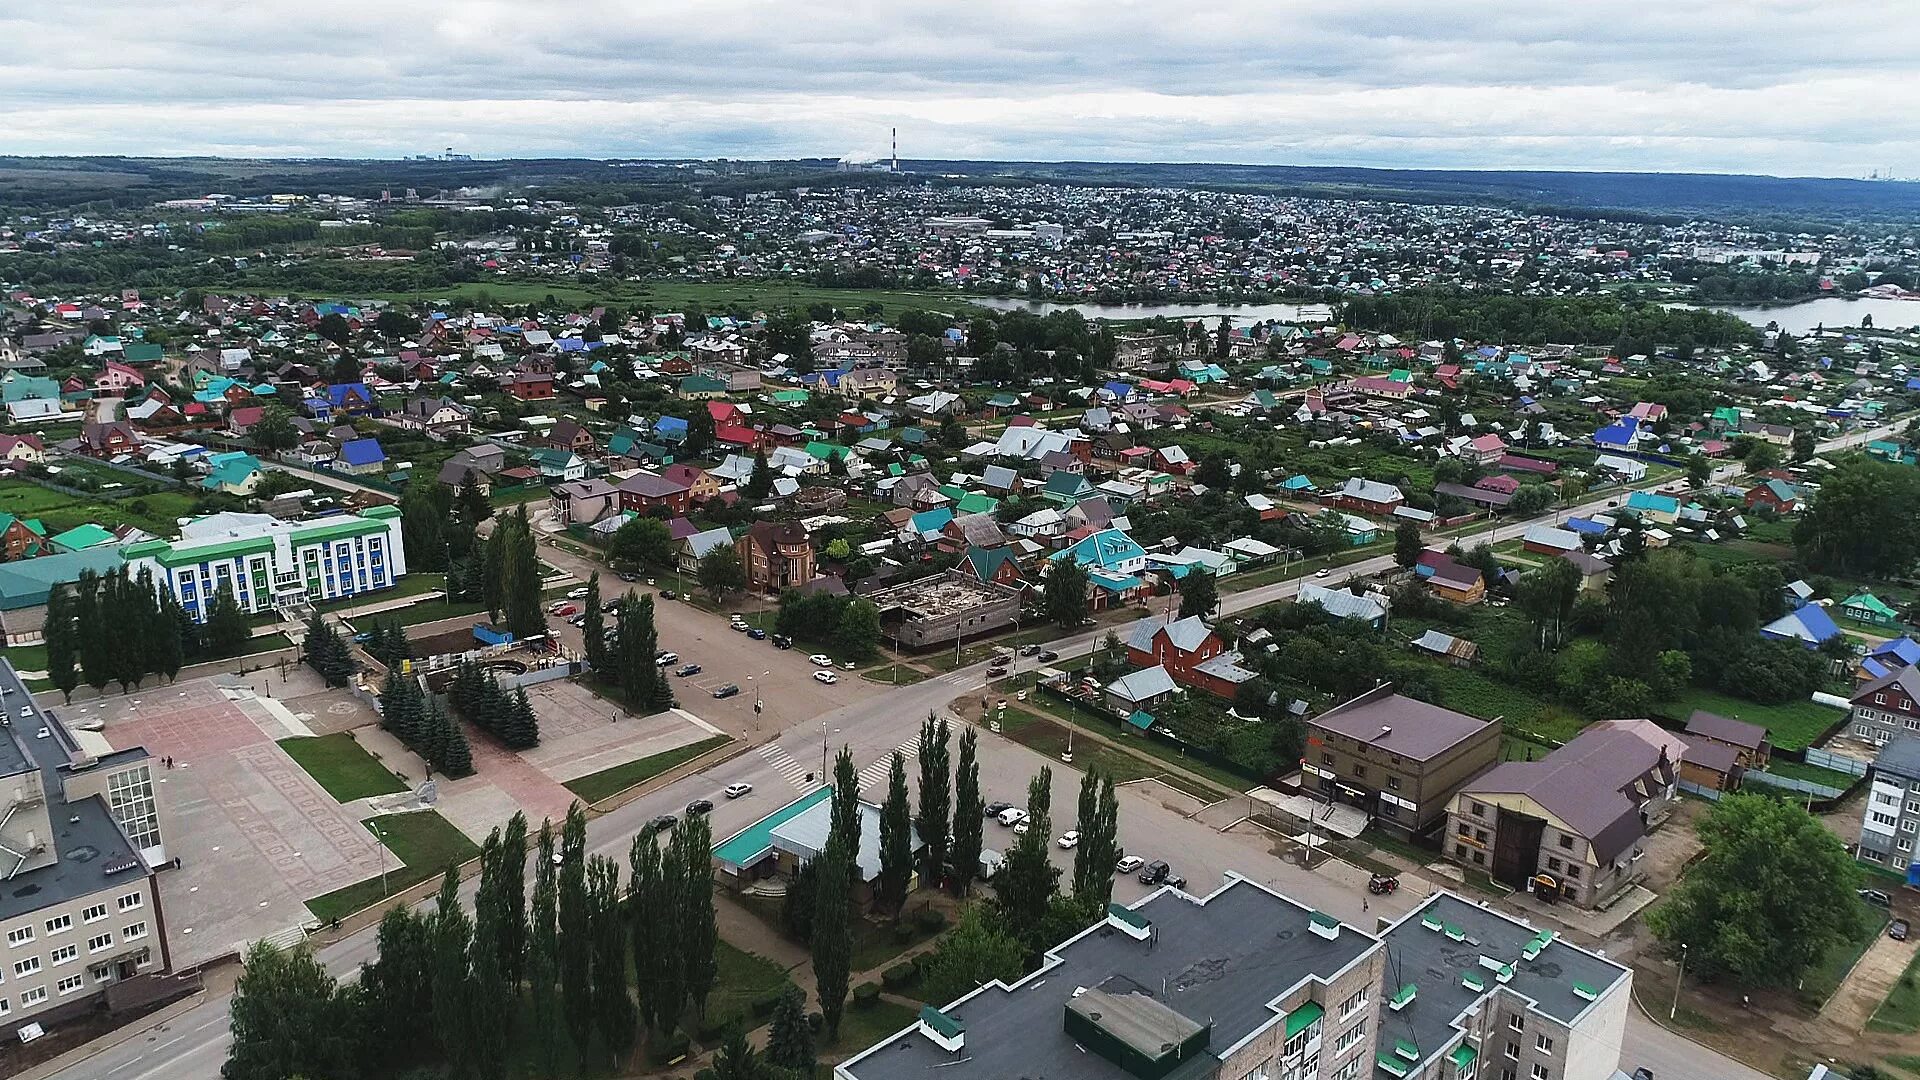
528,385
1571,825
1399,759
1776,495
700,484
18,450
583,502
995,565
1191,651
1368,496
1748,743
1664,509
440,417
1450,579
233,473
1885,708
690,549
776,555
1810,625
109,440
1372,608
117,378
1864,607
643,491
1547,540
351,399
360,457
21,538
570,436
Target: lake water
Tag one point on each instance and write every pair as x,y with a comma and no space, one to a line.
1801,318
1798,318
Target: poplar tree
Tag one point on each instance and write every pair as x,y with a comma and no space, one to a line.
543,950
63,661
833,929
969,817
94,641
649,914
697,935
576,931
936,798
845,819
896,838
490,996
1099,841
452,988
594,626
513,901
612,1007
1025,886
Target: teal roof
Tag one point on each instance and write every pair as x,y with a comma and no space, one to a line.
25,583
1129,916
927,521
1303,1017
1140,719
745,847
945,1026
81,537
1659,504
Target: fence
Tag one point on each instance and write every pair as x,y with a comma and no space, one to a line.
1100,710
1691,788
1788,783
543,675
1827,759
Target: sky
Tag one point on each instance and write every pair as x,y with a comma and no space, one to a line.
1802,88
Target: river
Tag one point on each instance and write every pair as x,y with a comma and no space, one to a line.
1798,318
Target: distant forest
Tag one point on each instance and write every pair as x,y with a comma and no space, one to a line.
100,183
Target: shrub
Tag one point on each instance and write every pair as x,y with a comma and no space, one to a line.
930,919
898,976
902,934
763,1004
665,1048
865,995
816,1021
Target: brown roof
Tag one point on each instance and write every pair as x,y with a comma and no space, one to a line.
1588,784
1709,754
1401,725
768,535
1725,729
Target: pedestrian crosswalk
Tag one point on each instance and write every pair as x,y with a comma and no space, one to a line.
876,773
785,764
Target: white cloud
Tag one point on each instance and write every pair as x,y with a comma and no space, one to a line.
1762,86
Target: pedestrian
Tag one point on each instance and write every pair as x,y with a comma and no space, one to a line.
1363,903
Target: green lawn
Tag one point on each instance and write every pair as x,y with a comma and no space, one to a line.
423,845
1141,757
894,675
1792,725
1824,978
1466,690
1800,770
427,611
514,496
342,766
741,978
26,657
608,782
410,585
862,1026
155,511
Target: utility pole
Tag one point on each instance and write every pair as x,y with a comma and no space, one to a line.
1678,976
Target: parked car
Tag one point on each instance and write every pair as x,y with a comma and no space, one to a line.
1128,864
1022,828
665,658
577,620
699,806
577,594
1322,572
611,605
1155,872
669,594
728,690
1048,656
1175,881
1875,896
820,659
1897,929
782,641
664,821
1070,839
685,670
562,609
1012,816
628,575
995,809
740,627
1029,650
827,677
756,633
734,791
848,665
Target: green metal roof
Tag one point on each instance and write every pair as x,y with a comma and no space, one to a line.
1129,916
1140,720
1462,1056
1405,994
1303,1017
1321,918
82,536
1391,1064
745,847
199,553
338,529
1406,1049
1472,980
942,1024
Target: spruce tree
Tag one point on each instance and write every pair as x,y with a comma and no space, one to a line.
390,695
790,1038
63,660
936,798
521,728
227,630
576,931
896,838
612,1006
456,756
969,818
452,933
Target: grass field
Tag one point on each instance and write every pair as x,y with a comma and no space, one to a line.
1824,978
155,512
741,978
423,844
1470,692
410,585
862,1026
342,766
596,786
1901,1010
1800,770
1793,725
1041,723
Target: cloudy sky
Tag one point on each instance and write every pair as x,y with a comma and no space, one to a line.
1790,87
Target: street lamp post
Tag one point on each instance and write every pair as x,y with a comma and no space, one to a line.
382,838
1678,976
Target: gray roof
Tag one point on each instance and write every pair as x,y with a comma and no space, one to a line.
1726,729
1341,602
1143,685
806,835
1371,490
1219,960
1434,963
1186,635
1901,757
1412,729
1588,784
90,851
701,543
1548,536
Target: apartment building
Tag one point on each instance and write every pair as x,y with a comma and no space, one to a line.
1247,984
1399,759
1887,707
1892,816
82,828
266,563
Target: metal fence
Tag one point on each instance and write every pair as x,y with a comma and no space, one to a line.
1788,783
1827,759
1704,792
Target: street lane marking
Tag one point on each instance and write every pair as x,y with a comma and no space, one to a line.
876,773
784,764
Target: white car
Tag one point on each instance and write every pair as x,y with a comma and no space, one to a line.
820,659
1128,864
1012,815
1021,829
577,594
1070,838
734,791
666,658
827,677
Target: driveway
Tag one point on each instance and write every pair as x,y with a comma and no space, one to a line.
1868,984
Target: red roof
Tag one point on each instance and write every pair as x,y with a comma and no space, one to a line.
723,411
737,434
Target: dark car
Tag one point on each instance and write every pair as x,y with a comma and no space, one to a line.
782,641
994,809
726,691
685,670
1897,929
1175,881
610,604
699,806
628,575
669,594
1156,872
1048,656
1029,650
757,634
662,823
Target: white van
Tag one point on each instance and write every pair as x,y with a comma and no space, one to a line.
1012,816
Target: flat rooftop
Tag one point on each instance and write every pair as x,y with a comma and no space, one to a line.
1216,960
937,597
1437,963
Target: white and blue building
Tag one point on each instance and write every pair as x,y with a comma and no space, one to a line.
269,564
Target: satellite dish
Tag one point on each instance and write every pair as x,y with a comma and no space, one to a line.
428,793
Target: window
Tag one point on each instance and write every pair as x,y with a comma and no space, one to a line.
1566,842
133,931
1459,851
1479,810
72,984
1517,1022
100,943
1480,835
1506,1074
1348,1071
1354,1003
1912,723
33,997
1883,819
1513,1051
1905,844
1359,769
130,795
21,935
1351,1037
1573,871
1880,698
4,1007
1259,1071
1543,1043
28,966
1393,783
1479,858
1465,829
1326,759
94,913
1553,865
1870,855
65,954
132,900
1387,809
59,924
1909,825
1540,1071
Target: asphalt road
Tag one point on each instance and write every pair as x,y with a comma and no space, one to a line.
873,721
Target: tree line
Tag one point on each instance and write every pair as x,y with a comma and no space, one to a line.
476,694
422,723
119,627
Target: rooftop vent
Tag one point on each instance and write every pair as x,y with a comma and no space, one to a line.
1324,925
946,1032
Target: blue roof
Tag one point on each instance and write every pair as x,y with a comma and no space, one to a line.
337,393
1118,389
1904,648
1585,526
1106,548
1619,433
1663,504
362,452
1809,625
669,423
934,520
